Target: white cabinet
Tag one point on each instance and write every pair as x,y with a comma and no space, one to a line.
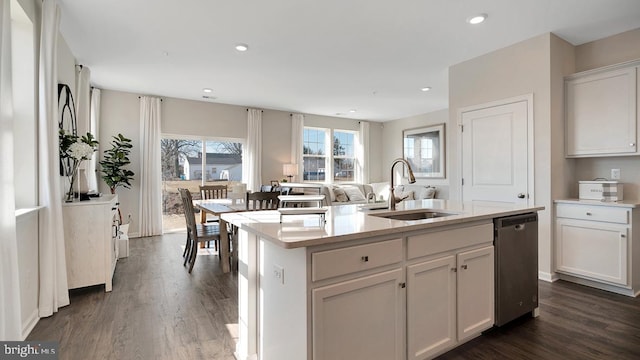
600,112
359,319
462,307
475,292
432,327
91,246
595,246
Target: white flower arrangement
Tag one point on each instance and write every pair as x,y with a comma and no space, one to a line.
80,151
73,150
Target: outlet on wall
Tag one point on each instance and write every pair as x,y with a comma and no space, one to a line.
278,273
615,174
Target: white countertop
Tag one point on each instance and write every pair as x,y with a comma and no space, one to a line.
348,222
623,203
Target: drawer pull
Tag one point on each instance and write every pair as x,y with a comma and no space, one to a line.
365,259
588,214
454,269
114,208
402,285
464,267
623,235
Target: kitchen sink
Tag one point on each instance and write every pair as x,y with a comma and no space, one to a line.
415,215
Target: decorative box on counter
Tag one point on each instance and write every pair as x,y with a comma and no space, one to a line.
600,190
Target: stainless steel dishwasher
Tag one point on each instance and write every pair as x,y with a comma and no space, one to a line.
516,267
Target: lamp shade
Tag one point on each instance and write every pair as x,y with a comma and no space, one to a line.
290,169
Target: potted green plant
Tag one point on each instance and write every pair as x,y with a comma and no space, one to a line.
114,162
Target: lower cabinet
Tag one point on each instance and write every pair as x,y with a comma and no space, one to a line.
596,245
416,299
462,307
360,318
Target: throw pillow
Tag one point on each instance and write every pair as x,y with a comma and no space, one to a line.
381,190
426,192
353,193
341,196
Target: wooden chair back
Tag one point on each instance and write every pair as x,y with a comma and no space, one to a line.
213,192
262,200
189,213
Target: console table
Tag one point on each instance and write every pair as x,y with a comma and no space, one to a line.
90,236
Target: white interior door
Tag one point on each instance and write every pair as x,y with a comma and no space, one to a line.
495,153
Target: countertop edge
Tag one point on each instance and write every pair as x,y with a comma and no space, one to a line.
623,203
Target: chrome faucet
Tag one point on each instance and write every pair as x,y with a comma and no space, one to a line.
412,179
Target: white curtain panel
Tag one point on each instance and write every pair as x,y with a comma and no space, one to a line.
151,173
94,126
362,168
10,327
53,269
297,128
252,164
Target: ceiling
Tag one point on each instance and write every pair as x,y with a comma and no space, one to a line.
326,57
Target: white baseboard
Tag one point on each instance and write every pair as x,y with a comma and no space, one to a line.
548,277
134,235
30,324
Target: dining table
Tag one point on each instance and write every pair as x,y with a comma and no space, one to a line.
217,207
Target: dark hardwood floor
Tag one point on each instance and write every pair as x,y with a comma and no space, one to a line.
158,311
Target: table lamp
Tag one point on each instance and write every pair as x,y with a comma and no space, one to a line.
290,170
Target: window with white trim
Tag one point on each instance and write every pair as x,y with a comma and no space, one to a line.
339,162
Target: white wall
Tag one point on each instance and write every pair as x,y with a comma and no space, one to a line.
392,143
523,68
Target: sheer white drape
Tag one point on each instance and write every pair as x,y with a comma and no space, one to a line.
10,327
82,100
252,164
53,268
151,173
362,169
94,126
297,128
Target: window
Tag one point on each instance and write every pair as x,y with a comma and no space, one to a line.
343,156
24,117
340,161
183,166
314,153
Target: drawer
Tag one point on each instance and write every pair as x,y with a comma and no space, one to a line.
447,240
332,263
593,212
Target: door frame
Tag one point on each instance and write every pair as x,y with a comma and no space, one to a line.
528,98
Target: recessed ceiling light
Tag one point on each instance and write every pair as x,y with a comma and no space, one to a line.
207,90
352,110
477,19
425,89
242,47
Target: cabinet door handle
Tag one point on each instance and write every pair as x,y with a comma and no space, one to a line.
623,235
463,267
365,258
454,269
402,285
588,214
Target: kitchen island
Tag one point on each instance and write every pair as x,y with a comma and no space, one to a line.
364,285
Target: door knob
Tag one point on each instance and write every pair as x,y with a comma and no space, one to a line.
521,196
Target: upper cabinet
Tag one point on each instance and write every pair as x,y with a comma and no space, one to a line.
601,112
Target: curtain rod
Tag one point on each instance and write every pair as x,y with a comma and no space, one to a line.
256,109
141,97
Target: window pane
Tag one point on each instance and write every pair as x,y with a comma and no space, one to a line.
343,144
343,169
314,168
181,167
224,162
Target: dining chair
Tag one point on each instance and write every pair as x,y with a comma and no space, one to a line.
262,200
213,192
196,232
